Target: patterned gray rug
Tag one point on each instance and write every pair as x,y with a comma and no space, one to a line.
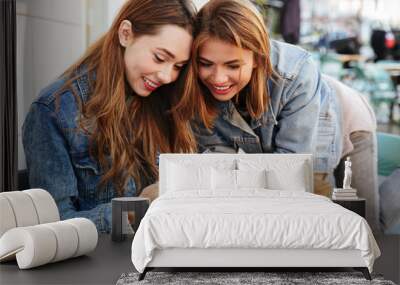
243,278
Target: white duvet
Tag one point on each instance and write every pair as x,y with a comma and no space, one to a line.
254,218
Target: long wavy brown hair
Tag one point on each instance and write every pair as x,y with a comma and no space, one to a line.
239,23
126,135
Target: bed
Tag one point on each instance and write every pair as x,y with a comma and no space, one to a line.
246,211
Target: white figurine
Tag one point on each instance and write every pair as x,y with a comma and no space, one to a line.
347,174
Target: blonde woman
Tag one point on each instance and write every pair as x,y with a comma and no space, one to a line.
259,95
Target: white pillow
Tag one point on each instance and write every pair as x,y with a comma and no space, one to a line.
292,179
251,178
224,179
281,173
182,177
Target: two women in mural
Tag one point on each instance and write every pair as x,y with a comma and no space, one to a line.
162,80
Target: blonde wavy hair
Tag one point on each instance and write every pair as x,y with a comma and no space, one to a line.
236,22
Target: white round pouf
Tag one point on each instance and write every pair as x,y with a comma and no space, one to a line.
7,218
31,230
23,208
67,240
87,234
45,205
33,246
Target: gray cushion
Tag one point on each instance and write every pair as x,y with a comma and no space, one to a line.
389,192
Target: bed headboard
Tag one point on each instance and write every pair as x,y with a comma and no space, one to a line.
280,162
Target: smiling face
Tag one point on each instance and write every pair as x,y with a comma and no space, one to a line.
154,60
224,68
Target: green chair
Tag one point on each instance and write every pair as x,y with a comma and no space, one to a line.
383,92
388,153
331,65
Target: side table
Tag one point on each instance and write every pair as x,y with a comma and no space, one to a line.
120,208
357,205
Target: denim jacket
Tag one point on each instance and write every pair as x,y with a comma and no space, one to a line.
302,115
58,160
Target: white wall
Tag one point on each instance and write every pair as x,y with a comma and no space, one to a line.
100,15
51,34
96,19
113,7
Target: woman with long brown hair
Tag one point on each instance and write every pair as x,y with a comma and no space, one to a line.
95,133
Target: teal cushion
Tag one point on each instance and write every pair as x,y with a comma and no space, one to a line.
388,153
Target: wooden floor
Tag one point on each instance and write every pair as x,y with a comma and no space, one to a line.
388,263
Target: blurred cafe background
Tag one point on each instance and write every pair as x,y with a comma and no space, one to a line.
356,41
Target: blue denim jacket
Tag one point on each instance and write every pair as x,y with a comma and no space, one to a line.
58,160
302,116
